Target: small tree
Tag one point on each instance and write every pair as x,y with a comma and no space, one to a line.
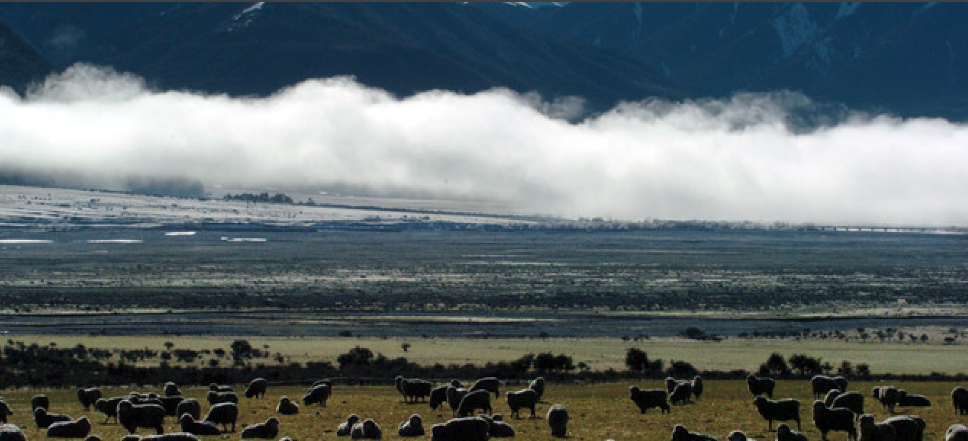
804,364
636,360
776,365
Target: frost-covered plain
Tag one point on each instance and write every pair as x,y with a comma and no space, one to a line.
71,261
39,207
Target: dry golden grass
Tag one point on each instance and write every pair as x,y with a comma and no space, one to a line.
598,411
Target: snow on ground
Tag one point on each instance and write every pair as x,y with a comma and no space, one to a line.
35,206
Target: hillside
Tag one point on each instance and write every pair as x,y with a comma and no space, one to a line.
256,49
906,58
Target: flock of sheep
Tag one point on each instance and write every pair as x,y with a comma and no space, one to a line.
834,409
148,411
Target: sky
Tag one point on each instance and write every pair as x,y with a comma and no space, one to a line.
735,159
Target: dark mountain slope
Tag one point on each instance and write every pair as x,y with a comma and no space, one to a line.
906,58
20,64
245,49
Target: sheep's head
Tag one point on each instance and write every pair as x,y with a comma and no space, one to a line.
352,419
679,433
736,435
84,423
415,420
782,430
817,405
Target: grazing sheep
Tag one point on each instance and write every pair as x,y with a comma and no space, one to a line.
680,433
346,427
822,384
955,432
959,398
671,383
221,397
132,416
784,433
874,431
45,419
649,398
317,395
223,414
39,401
88,396
454,395
558,420
413,389
456,383
738,435
177,436
171,404
538,385
287,407
907,428
70,429
778,410
10,432
171,389
189,424
887,395
833,419
906,400
478,399
411,427
438,396
217,388
4,411
190,406
368,429
266,430
461,429
491,384
499,428
257,388
760,385
681,394
522,399
697,386
850,400
109,407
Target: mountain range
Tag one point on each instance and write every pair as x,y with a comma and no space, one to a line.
908,59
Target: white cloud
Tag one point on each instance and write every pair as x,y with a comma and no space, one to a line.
734,159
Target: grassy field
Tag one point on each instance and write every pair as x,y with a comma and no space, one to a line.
598,411
598,354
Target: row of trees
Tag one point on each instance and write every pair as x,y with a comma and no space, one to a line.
798,365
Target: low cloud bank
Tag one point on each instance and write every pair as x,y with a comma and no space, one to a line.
735,159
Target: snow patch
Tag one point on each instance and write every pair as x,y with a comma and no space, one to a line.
245,18
926,6
846,8
795,28
637,10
